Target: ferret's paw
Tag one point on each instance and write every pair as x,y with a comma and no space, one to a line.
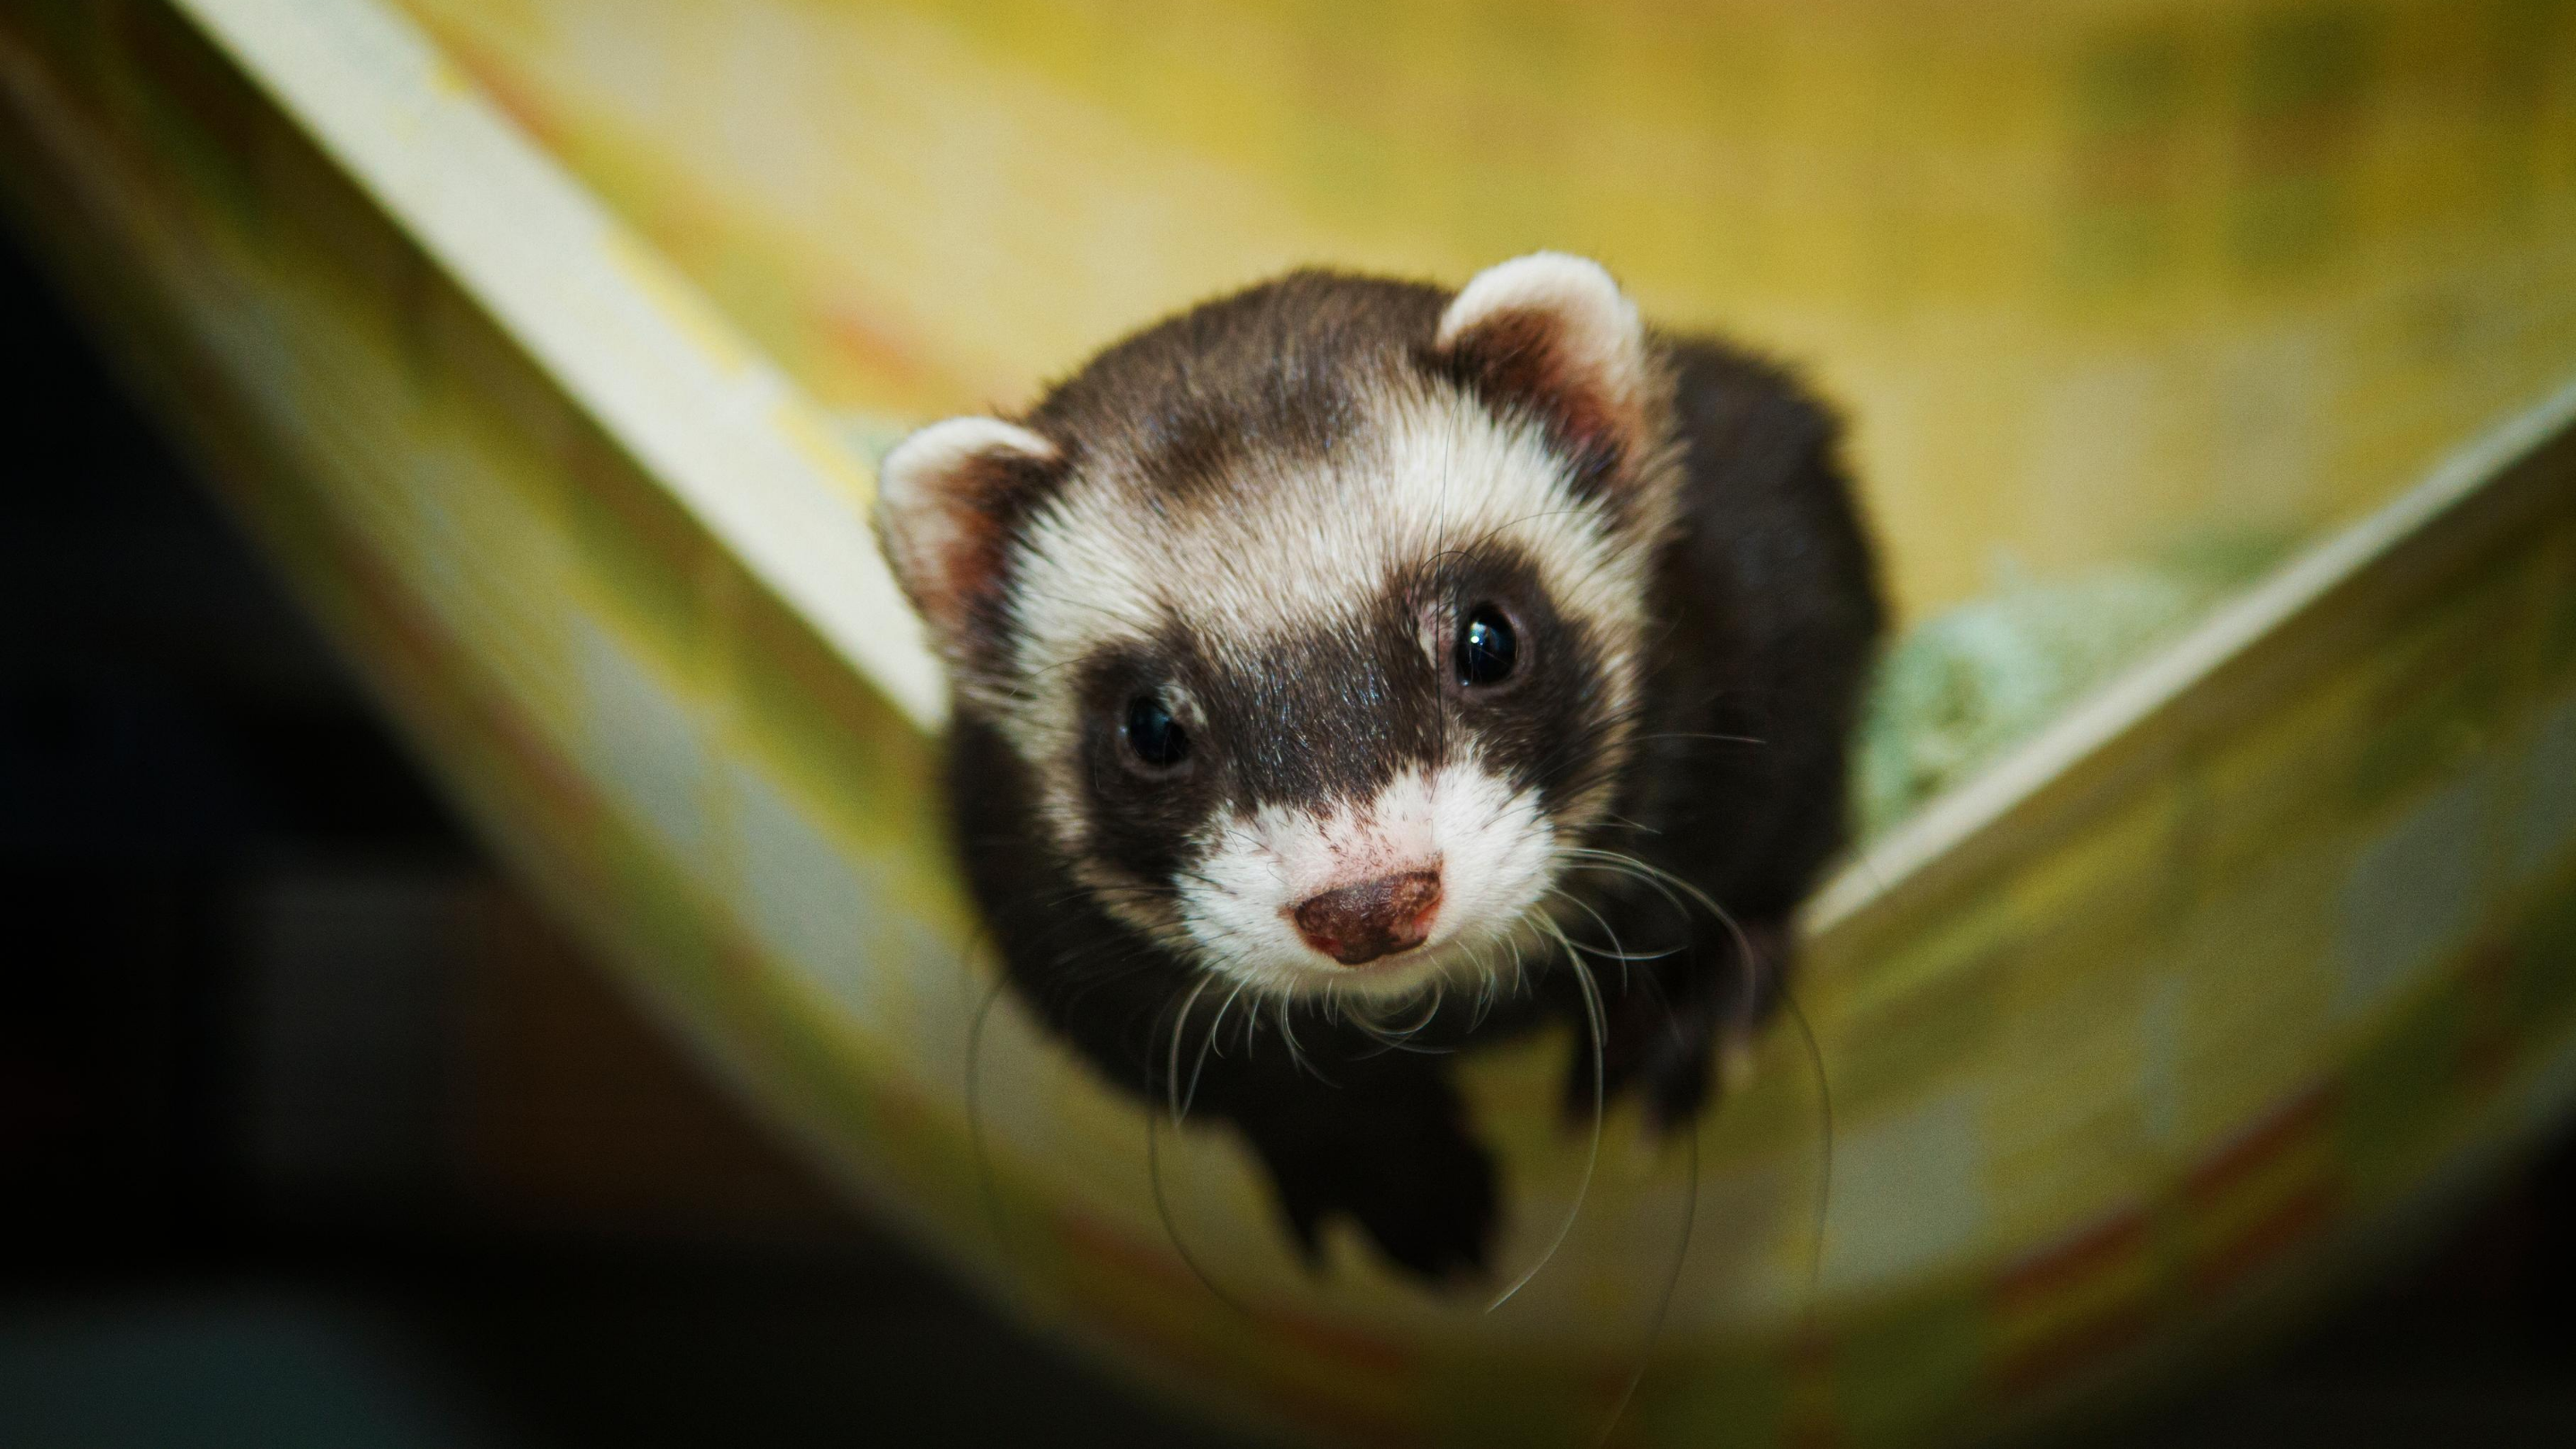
1662,1050
1423,1190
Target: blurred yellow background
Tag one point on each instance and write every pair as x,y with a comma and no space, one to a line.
2090,278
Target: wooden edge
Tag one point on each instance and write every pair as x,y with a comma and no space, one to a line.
1978,821
627,337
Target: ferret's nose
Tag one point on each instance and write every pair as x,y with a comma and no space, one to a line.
1357,924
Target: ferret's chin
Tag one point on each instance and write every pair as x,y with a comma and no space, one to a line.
1389,979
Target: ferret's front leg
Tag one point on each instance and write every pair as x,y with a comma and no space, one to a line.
1386,1142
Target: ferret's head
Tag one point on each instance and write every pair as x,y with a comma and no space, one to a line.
1316,613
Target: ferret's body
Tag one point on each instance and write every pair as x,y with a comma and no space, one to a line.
1340,660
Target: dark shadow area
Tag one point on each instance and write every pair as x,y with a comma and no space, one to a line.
2470,1343
314,1132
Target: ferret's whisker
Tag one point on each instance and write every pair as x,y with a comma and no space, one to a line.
1207,1043
1617,949
1171,1230
1623,867
1180,1023
1297,1053
1824,1151
1664,1302
1592,1153
1613,952
1646,871
991,1188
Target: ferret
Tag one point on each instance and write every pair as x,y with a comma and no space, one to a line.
1346,671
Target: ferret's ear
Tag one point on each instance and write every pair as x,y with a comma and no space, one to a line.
947,497
1554,334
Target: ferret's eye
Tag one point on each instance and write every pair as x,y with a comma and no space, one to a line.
1487,648
1152,735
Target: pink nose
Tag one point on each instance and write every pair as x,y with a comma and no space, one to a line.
1356,924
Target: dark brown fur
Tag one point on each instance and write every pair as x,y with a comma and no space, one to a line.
1767,613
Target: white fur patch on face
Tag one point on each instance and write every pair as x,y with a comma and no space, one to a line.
1295,546
1492,845
1271,551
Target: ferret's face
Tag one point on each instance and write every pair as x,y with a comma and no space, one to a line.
1326,721
1320,667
